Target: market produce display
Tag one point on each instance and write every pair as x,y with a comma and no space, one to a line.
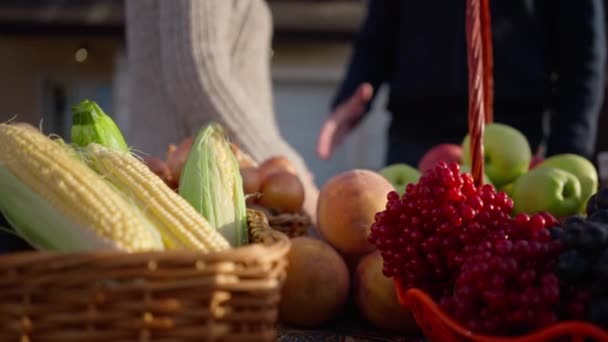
523,251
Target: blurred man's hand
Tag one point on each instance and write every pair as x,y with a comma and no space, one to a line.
342,120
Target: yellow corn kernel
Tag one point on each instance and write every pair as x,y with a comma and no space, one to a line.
179,224
73,189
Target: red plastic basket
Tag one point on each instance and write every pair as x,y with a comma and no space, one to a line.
434,323
438,326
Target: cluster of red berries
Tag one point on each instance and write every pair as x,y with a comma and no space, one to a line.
458,243
508,286
422,235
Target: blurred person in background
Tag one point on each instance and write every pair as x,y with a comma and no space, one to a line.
549,58
196,61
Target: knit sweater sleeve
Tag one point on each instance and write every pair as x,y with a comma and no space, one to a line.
198,80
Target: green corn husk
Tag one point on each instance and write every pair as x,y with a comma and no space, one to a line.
90,124
211,182
41,225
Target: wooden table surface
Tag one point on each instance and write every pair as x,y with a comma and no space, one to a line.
350,327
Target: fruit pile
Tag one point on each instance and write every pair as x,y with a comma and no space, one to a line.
583,266
458,242
560,185
334,272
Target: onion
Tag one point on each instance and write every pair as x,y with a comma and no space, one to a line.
283,192
276,164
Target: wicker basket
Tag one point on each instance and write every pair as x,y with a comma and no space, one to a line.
435,324
156,296
290,224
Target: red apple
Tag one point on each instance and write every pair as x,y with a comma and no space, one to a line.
442,152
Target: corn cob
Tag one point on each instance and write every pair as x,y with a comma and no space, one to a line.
212,184
90,124
70,188
179,224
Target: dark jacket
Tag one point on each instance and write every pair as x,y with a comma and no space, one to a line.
549,57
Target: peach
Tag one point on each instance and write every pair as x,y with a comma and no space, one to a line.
347,205
376,298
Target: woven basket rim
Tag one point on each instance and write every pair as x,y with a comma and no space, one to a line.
276,245
251,251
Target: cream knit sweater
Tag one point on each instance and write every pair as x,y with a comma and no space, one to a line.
195,61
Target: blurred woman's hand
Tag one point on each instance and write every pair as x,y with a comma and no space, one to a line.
342,120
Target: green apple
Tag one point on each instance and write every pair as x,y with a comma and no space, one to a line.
467,169
400,175
581,168
547,189
507,153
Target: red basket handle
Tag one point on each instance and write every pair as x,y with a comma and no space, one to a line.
481,80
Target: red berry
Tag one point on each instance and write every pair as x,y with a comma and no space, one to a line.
550,220
488,188
466,212
393,196
541,235
537,221
454,167
454,195
409,188
508,207
487,197
475,202
503,247
521,220
449,211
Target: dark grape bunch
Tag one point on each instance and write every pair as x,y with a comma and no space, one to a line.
583,266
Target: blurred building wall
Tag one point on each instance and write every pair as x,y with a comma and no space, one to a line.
40,77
